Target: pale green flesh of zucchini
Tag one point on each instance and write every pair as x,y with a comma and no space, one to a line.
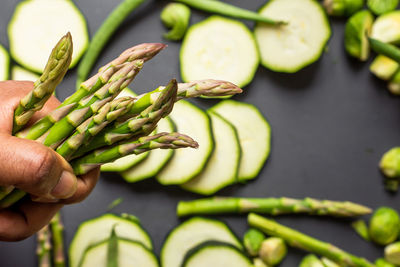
126,162
36,26
129,254
217,256
291,47
222,167
188,162
4,64
254,135
383,67
386,28
192,233
99,229
219,48
21,74
156,159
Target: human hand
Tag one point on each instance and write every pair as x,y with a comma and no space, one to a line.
35,169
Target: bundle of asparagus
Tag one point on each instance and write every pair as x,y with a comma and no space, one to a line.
93,126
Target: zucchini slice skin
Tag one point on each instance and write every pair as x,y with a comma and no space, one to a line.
20,74
99,229
222,168
4,64
187,163
254,134
219,48
36,25
156,160
216,254
130,253
191,233
289,48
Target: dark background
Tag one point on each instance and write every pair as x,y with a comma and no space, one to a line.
331,123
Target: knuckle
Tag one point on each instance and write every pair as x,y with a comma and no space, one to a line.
42,166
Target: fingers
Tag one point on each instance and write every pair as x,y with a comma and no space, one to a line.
25,220
35,169
85,185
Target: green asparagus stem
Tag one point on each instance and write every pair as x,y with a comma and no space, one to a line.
140,125
384,226
311,261
340,8
44,247
104,116
143,51
115,203
383,263
272,206
13,197
57,230
112,249
56,67
392,253
175,16
252,240
163,140
103,34
273,250
385,49
361,229
89,105
225,9
5,190
305,242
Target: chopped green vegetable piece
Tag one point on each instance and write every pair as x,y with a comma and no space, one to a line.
358,27
394,84
115,203
390,163
383,67
311,261
386,28
342,8
273,250
392,253
383,263
379,7
384,226
252,240
361,228
328,263
175,16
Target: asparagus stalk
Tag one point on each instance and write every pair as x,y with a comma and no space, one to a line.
163,141
44,247
271,206
11,198
143,51
385,49
87,106
138,126
56,67
305,242
105,115
57,229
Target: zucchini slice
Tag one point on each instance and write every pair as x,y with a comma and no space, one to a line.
383,67
291,47
192,233
216,254
386,28
187,163
129,161
219,48
130,253
222,168
21,74
99,229
37,25
254,135
4,63
155,161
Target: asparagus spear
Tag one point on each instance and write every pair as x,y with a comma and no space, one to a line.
138,126
143,51
56,67
105,115
385,49
87,106
272,206
305,242
44,247
143,144
57,229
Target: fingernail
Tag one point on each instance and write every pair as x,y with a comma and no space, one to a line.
66,186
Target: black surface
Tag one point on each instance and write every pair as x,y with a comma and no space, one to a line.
331,123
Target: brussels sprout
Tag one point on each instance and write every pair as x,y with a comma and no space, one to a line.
390,162
273,250
342,8
257,262
379,7
328,263
384,226
311,261
356,34
386,28
383,67
175,16
392,253
252,240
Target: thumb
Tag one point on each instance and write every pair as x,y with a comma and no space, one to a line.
35,168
